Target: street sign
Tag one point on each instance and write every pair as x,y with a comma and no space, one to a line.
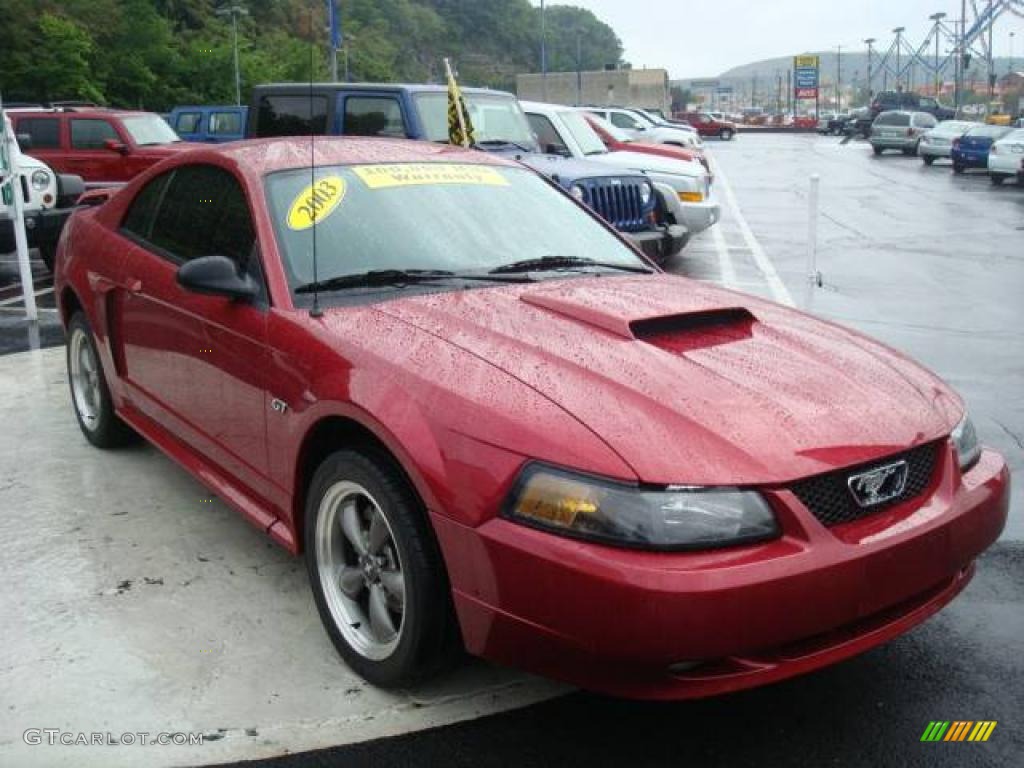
704,84
806,71
807,93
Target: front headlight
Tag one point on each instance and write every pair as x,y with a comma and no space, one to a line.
40,180
965,441
645,193
577,191
673,518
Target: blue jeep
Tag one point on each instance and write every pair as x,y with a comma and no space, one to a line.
210,124
628,201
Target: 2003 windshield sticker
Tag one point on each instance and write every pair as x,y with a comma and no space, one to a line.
316,202
416,174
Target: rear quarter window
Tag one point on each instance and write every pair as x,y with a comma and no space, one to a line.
44,131
187,122
225,123
288,115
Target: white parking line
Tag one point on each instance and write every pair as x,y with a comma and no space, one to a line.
724,258
764,264
19,297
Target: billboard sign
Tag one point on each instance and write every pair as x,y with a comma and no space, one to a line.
805,76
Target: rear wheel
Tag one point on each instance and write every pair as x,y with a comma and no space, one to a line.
928,159
997,180
725,134
876,150
90,395
376,572
957,168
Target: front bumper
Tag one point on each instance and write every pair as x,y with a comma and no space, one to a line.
699,216
660,244
674,626
42,229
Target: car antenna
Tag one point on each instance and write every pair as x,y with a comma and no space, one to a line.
315,311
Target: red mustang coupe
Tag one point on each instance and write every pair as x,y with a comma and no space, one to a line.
615,139
487,422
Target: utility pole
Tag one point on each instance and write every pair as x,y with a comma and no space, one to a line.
1009,67
789,91
753,91
991,60
962,58
870,41
579,69
937,18
839,78
543,53
235,10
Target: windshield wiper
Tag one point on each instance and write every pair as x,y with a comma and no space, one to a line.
387,277
503,142
564,262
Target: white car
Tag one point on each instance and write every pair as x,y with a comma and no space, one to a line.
938,142
644,128
566,130
1006,158
47,199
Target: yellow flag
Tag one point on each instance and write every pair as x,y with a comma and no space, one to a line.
460,127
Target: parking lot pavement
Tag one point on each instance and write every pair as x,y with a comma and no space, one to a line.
135,602
929,262
17,335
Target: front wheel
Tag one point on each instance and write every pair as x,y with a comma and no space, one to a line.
927,159
957,168
997,180
376,571
876,150
90,395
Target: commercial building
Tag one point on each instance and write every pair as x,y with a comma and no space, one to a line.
645,88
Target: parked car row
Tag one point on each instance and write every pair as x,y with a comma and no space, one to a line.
996,149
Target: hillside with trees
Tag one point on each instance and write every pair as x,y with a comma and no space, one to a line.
154,54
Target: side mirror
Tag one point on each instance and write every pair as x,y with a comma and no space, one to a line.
557,149
216,276
116,146
24,140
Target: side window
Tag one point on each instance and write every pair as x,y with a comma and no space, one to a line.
291,116
204,213
187,122
138,222
547,136
225,123
624,121
90,134
373,116
45,131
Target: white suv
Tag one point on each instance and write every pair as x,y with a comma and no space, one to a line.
642,128
48,199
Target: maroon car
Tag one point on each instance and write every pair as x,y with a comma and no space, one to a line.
488,422
707,125
105,147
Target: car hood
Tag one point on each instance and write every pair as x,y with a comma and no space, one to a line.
166,150
691,384
641,161
565,170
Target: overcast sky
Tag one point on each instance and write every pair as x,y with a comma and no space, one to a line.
694,38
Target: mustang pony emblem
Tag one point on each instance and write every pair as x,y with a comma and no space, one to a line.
879,485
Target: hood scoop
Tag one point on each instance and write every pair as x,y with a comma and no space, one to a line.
695,330
626,316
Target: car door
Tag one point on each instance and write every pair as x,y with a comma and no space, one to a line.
195,364
89,155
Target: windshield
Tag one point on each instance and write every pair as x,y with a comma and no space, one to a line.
647,121
952,127
428,216
590,143
494,117
149,129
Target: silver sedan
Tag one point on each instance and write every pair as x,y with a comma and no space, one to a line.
938,141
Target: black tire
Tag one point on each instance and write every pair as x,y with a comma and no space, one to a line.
104,429
429,640
997,180
877,150
957,168
48,253
927,159
725,134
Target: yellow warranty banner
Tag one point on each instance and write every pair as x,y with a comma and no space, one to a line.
417,174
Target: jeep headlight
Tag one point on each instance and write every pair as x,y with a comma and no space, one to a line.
577,191
40,180
645,193
666,518
965,441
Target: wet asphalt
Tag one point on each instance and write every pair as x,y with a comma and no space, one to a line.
928,262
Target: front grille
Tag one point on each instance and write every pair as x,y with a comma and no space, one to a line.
619,204
829,498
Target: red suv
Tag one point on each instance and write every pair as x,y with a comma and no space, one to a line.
707,125
105,147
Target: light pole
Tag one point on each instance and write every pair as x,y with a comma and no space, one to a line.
543,53
579,69
839,78
899,44
1009,68
234,11
870,41
937,18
